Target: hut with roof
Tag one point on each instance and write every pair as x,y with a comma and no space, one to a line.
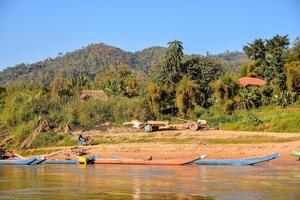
93,94
248,81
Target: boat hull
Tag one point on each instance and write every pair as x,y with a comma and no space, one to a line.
128,161
249,161
17,162
90,160
64,162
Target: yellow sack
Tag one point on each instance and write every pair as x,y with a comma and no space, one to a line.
82,161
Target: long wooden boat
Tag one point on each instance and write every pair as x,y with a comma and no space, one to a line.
17,161
90,160
249,161
60,162
133,161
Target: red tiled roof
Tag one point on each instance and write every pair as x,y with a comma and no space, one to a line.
251,81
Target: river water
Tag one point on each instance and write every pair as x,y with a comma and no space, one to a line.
148,182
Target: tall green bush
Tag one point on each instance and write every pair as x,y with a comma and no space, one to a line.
186,96
250,97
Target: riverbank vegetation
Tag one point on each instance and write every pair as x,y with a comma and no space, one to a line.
178,85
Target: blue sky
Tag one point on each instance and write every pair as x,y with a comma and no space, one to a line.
34,30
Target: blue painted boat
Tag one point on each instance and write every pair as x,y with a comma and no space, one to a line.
17,161
248,161
90,160
60,162
38,161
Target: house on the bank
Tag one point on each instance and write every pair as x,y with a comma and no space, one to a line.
245,81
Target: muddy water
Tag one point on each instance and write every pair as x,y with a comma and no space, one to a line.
148,182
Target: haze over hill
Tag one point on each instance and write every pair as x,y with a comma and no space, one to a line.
88,60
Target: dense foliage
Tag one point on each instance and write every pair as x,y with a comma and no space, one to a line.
175,85
269,59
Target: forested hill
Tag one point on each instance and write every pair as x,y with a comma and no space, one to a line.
232,60
87,60
90,59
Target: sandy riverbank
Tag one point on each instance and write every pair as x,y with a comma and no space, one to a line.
215,144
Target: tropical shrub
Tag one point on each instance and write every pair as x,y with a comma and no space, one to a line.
250,97
186,96
284,98
126,109
292,71
225,88
229,106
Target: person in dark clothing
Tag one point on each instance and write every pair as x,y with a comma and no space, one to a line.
81,140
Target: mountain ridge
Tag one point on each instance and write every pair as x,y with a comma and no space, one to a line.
88,60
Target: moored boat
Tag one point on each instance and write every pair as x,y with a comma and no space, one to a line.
60,162
248,161
17,161
134,161
89,160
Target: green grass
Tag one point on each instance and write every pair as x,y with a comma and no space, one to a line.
270,119
238,140
251,140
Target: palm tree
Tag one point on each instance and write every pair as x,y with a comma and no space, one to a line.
176,46
172,63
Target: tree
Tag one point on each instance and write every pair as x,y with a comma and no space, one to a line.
256,51
167,74
174,53
225,87
132,84
203,70
113,80
292,67
154,94
247,69
59,89
269,58
292,71
276,48
293,54
169,71
186,96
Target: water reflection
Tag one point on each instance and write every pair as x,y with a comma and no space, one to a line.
148,182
